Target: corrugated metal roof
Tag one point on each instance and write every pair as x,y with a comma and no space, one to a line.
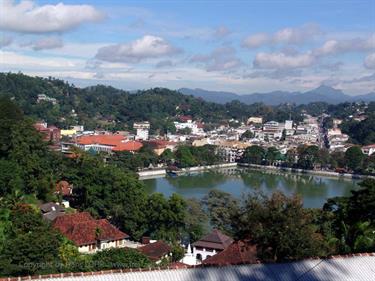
341,269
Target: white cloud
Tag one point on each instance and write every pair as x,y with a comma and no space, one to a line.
281,60
5,40
370,61
289,36
164,63
256,40
19,61
146,47
332,47
47,43
221,32
297,35
220,59
27,17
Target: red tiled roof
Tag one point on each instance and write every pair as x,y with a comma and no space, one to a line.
118,142
214,240
111,140
184,118
155,251
239,252
82,229
128,146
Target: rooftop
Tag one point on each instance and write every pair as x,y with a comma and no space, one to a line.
82,229
359,267
214,240
155,251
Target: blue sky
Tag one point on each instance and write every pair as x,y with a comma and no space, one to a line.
238,46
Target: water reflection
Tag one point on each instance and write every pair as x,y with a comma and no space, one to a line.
313,189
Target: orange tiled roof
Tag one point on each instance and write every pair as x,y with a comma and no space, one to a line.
118,142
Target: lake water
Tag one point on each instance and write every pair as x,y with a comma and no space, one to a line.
314,189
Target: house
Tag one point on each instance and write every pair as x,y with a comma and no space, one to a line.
156,251
51,211
50,133
211,244
368,149
107,143
90,235
255,120
239,252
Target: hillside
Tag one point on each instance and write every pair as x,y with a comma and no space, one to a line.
114,109
321,94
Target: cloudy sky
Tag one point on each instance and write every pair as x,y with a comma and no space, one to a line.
238,46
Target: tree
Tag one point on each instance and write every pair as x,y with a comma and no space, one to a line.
246,135
166,157
30,246
354,158
280,227
165,216
253,155
308,156
354,218
184,157
272,155
221,207
195,220
120,258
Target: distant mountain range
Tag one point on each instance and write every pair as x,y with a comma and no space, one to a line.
321,94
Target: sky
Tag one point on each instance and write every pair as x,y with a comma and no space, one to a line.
237,46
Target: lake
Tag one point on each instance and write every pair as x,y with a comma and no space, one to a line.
314,189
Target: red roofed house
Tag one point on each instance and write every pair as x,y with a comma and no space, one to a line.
211,244
239,252
88,234
108,143
156,251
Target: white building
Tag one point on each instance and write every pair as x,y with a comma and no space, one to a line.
142,130
368,149
210,245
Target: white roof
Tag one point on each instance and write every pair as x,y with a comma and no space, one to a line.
361,268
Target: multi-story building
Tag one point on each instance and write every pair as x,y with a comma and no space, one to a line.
142,130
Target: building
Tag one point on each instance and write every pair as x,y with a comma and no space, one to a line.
107,143
239,252
231,151
368,149
142,130
210,245
50,133
50,211
43,97
156,251
255,120
288,124
88,234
